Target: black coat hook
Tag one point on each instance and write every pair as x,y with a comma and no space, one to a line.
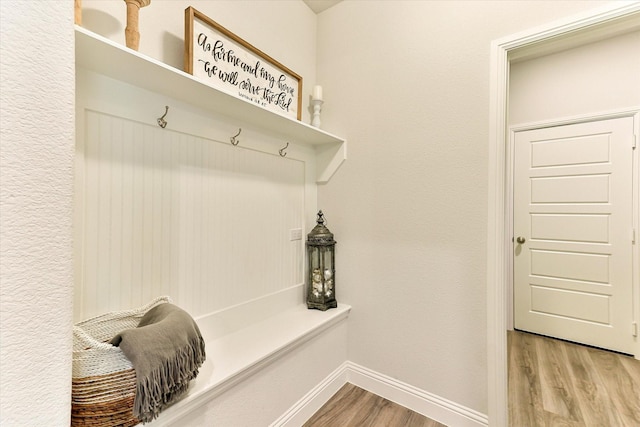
161,121
234,140
282,152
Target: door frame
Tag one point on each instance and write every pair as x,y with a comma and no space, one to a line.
592,25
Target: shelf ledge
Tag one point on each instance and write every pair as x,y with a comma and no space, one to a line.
101,55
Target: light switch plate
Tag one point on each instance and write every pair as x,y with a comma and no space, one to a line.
295,234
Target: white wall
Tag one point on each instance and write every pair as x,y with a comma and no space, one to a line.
407,84
37,119
595,78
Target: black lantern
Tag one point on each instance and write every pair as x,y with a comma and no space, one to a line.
321,290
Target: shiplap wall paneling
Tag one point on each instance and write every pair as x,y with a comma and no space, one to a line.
169,213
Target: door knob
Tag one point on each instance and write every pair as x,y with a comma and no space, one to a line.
521,240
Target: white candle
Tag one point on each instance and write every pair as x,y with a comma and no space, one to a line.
317,93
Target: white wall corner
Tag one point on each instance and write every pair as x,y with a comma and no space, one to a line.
311,402
420,401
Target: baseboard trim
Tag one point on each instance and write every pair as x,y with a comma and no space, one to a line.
425,403
302,410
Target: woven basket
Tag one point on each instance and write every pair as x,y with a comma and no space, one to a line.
104,382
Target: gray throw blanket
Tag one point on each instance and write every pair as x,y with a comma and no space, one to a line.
166,350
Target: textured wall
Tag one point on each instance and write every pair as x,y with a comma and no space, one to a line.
37,98
407,83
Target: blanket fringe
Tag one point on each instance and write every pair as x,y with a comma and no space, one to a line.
169,381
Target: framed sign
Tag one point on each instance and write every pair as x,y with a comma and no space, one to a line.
227,62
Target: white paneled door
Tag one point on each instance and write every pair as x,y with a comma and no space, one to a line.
573,232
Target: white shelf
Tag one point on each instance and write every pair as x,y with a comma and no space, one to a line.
101,55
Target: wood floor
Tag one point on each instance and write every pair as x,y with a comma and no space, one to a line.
352,406
555,383
552,383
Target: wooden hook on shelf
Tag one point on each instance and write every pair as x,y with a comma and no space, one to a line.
234,140
282,152
161,121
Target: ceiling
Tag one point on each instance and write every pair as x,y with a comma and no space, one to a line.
320,5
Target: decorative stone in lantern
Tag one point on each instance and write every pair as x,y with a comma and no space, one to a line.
321,290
